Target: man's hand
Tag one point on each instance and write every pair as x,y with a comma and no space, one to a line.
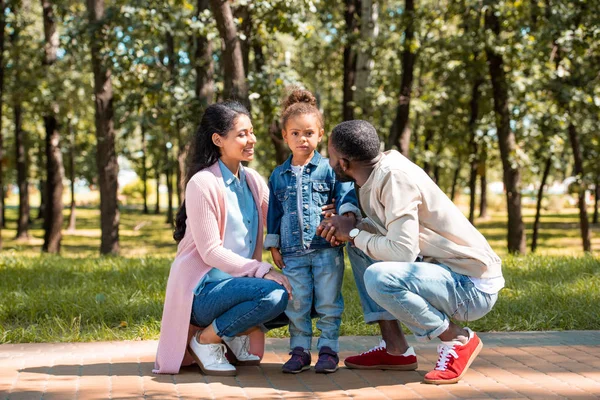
277,258
328,210
281,279
336,228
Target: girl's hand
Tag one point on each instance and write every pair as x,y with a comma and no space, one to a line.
281,279
328,209
277,258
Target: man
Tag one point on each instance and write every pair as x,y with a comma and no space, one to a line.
415,257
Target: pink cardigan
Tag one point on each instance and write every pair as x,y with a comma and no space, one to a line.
200,250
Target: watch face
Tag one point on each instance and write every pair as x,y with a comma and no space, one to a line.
354,233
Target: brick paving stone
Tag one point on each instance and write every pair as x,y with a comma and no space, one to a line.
535,365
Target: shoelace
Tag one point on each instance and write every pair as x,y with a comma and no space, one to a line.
376,348
445,353
218,352
245,346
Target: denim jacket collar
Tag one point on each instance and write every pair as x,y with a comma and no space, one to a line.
314,161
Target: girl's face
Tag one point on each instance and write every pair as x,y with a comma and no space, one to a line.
303,133
238,144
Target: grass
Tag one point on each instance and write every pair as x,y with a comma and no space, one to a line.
50,299
80,296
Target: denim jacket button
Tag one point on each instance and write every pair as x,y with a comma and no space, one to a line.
307,170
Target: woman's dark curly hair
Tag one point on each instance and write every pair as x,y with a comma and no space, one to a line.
218,118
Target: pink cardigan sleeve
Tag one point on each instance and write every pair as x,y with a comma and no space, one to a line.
202,220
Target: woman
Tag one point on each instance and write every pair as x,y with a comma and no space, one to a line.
217,279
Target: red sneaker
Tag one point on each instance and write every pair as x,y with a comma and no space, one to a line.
379,358
454,361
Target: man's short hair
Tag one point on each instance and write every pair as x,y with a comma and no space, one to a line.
356,140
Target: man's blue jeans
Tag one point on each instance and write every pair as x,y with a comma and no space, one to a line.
423,296
235,305
320,272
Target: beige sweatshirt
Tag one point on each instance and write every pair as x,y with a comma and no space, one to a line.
408,215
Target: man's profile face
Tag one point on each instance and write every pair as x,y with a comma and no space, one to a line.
334,162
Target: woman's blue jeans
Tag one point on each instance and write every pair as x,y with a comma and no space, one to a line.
423,296
235,305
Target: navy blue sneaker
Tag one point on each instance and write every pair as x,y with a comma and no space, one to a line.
328,361
300,361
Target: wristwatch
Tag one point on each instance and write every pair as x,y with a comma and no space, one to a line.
353,233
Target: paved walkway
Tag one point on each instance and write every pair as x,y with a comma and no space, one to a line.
539,365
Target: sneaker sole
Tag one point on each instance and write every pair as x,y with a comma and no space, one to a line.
209,371
406,367
305,368
458,378
326,371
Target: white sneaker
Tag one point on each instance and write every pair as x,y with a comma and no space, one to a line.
211,358
240,346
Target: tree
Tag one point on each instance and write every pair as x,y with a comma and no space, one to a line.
400,132
506,137
53,218
21,160
2,29
369,30
232,62
106,158
352,17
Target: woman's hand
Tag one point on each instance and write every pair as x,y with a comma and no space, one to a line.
281,279
277,258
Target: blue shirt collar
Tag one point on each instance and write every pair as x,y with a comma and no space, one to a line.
229,177
314,161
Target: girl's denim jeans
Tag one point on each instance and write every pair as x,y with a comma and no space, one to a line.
423,296
321,273
235,305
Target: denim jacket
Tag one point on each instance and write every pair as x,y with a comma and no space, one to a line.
319,187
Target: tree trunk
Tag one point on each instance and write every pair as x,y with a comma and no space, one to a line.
233,64
205,68
596,196
369,30
106,157
2,28
144,168
242,13
72,217
483,209
538,207
53,219
351,14
53,216
506,141
584,223
22,181
282,151
400,132
475,95
42,184
157,175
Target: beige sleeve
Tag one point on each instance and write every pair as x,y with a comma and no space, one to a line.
401,199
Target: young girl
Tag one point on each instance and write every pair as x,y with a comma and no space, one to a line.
299,188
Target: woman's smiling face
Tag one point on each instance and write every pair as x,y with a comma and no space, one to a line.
238,144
